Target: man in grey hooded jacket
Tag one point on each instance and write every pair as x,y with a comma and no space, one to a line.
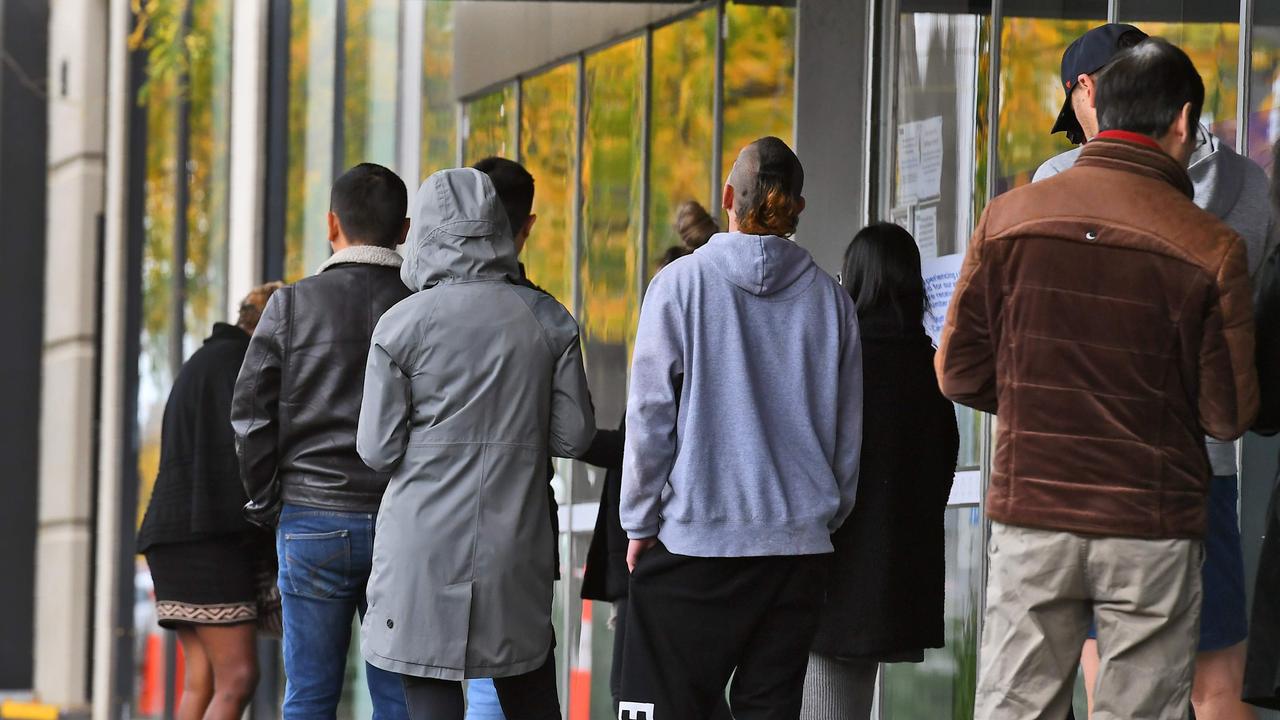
472,382
1236,190
744,427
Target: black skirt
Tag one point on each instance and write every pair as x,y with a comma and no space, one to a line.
221,580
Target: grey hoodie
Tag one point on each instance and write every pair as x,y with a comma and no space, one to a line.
471,383
1235,190
744,417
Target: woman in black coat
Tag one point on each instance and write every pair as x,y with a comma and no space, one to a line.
213,571
885,599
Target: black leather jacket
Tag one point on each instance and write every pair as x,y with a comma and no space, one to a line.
297,399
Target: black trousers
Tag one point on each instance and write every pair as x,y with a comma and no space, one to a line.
694,623
531,696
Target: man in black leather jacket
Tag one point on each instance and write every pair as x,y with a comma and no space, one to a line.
295,411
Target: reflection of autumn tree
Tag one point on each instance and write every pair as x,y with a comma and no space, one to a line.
310,134
188,47
682,124
1214,48
208,172
491,125
438,119
159,210
611,191
1264,125
1031,93
369,87
549,137
759,76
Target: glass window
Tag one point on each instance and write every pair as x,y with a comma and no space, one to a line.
938,148
936,181
208,171
490,125
312,40
1210,34
759,77
439,137
682,125
611,167
369,82
1264,84
944,684
549,119
1031,93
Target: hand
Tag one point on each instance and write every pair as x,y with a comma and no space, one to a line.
635,549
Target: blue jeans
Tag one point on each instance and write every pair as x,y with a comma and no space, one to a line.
482,701
325,557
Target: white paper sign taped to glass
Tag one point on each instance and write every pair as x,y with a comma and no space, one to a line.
940,277
919,159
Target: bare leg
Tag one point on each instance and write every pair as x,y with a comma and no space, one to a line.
197,680
233,654
1089,663
1215,694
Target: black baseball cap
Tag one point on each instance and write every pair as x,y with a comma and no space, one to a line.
1090,53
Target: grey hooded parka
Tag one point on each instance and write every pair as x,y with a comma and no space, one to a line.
472,382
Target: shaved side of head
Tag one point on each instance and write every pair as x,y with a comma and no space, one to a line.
767,181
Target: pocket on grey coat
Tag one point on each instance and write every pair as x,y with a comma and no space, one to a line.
317,565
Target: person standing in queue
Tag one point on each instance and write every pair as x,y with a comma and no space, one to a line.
885,597
213,570
295,409
744,423
1234,189
1099,483
472,383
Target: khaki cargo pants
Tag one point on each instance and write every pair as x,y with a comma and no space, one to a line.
1044,587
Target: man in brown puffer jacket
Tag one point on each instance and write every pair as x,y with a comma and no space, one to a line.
1107,321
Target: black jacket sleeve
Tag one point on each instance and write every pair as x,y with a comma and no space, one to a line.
606,449
255,411
1267,349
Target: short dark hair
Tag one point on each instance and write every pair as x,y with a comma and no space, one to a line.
881,272
1144,88
514,186
370,202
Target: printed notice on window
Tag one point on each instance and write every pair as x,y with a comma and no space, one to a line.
930,178
920,155
908,163
926,232
940,276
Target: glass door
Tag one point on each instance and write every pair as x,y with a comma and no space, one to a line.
935,185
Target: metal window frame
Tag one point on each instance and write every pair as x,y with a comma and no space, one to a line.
338,136
275,179
881,136
717,111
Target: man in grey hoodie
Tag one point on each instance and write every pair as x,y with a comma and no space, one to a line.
744,428
1236,190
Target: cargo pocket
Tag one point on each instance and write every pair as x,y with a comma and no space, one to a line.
317,565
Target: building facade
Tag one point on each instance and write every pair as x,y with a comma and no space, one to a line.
191,150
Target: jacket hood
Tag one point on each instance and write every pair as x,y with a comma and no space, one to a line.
458,231
1216,172
760,264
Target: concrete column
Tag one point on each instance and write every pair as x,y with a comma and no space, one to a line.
832,65
112,432
248,150
77,92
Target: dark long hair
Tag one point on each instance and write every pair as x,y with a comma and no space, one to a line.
881,272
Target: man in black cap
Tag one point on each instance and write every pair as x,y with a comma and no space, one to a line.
1234,189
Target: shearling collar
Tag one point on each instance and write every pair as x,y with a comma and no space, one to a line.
364,255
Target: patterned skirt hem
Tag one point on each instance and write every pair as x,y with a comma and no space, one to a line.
172,614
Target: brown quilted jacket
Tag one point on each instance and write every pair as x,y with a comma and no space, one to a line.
1107,321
